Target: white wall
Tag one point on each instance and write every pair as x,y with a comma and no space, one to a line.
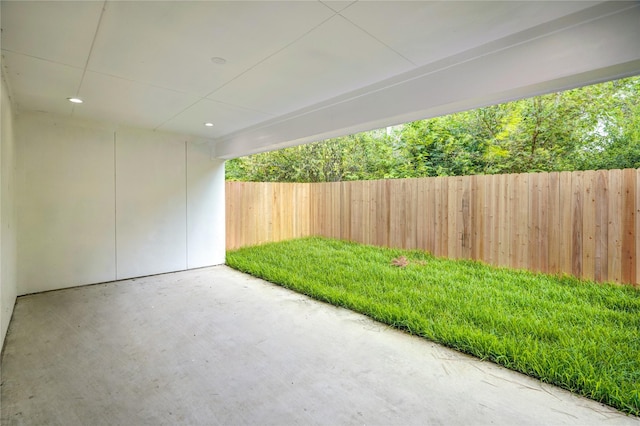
151,203
66,204
205,197
8,281
98,203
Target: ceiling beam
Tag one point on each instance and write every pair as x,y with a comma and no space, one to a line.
594,45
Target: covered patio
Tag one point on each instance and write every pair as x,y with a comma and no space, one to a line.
215,346
130,183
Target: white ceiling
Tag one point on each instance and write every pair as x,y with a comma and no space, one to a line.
301,70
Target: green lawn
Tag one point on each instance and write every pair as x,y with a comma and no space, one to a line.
581,336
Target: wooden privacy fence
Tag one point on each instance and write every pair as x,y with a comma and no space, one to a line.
257,213
579,223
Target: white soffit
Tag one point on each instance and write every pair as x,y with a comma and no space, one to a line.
225,118
338,5
59,32
170,44
300,71
38,93
120,100
332,59
428,31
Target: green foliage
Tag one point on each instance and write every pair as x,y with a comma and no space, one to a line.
362,156
593,127
575,334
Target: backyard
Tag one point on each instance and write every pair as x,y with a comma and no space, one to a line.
576,334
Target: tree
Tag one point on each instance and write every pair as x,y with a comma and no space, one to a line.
356,157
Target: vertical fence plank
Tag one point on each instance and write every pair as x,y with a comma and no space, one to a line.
440,195
381,214
614,212
553,206
445,217
324,209
576,221
466,204
534,222
452,217
336,194
520,217
636,280
323,218
437,222
429,215
628,225
588,225
477,217
256,206
320,193
422,210
503,225
497,217
371,200
372,232
245,225
455,218
543,221
601,230
303,217
230,207
313,228
396,208
267,231
411,214
489,220
345,210
275,205
357,204
566,226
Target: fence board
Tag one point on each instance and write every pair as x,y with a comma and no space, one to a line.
581,223
628,225
490,220
440,216
566,226
411,213
614,245
397,208
553,206
576,221
588,225
543,222
602,228
477,216
464,225
503,226
534,220
451,238
636,281
522,200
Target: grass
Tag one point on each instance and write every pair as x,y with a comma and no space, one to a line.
581,336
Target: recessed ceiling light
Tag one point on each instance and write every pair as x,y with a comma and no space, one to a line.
218,60
75,100
208,124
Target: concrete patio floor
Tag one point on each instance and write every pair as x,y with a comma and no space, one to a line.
215,346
